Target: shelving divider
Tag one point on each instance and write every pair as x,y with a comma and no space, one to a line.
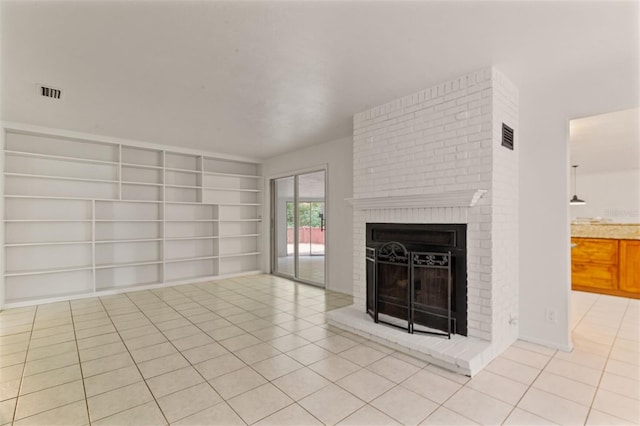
120,178
93,244
163,244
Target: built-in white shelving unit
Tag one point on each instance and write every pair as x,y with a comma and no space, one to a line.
84,217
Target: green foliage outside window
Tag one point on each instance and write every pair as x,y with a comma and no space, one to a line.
309,214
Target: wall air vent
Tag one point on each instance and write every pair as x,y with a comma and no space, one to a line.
507,136
49,92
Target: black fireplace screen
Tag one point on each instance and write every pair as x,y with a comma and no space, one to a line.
420,291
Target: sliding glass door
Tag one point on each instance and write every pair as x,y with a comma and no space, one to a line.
299,227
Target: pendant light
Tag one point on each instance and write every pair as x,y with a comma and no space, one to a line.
575,201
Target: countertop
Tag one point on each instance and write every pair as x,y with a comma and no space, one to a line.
626,231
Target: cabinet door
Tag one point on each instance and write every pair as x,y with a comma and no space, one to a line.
595,250
630,266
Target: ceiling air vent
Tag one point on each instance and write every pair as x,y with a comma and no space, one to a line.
50,92
507,136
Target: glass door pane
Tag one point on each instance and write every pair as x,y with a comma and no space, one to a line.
311,227
283,225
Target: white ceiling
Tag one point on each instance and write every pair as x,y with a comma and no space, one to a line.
261,78
606,142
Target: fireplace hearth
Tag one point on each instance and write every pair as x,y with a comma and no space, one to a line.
416,277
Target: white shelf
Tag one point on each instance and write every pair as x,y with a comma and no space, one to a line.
128,264
128,220
48,243
189,202
189,259
53,177
208,237
45,197
45,220
47,271
191,220
141,166
112,192
132,240
171,185
141,183
58,157
255,253
173,169
219,188
233,175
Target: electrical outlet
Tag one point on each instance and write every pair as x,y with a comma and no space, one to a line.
551,315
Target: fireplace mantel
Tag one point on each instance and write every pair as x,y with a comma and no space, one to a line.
466,198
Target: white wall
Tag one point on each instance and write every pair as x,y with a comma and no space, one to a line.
545,111
337,157
613,195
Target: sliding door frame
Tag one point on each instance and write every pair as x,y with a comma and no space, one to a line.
273,228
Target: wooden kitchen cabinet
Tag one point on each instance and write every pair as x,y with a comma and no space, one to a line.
607,266
630,266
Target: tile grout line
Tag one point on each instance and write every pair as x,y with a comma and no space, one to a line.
529,387
182,355
24,365
248,365
604,367
106,310
84,389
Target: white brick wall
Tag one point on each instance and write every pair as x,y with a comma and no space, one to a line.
447,138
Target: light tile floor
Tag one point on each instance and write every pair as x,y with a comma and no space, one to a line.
257,350
310,268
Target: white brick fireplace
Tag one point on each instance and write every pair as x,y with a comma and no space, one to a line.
436,157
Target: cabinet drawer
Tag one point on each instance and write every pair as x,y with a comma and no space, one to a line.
595,250
594,275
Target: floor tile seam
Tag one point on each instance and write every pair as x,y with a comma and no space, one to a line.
591,305
105,356
97,346
622,420
540,370
604,368
24,366
91,421
99,314
293,402
261,375
139,379
397,385
84,387
99,334
565,398
139,372
182,355
46,411
223,401
330,382
324,387
529,387
13,353
621,394
52,386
